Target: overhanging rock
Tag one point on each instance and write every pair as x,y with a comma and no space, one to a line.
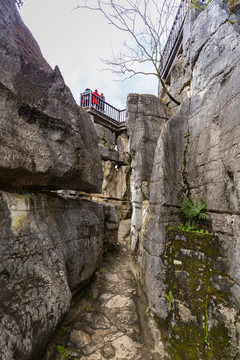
46,140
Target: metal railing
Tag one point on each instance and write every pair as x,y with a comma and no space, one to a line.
19,3
99,105
169,51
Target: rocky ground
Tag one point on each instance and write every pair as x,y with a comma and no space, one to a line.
105,323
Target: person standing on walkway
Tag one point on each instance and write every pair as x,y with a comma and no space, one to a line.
102,102
86,98
96,99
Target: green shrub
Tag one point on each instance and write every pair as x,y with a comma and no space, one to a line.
194,211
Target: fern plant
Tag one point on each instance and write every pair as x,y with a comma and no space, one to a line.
194,211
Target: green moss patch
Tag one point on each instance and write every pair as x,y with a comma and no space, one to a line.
197,285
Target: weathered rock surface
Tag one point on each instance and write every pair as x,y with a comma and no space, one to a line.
105,324
46,139
146,116
106,136
112,219
198,153
213,165
113,147
50,247
198,293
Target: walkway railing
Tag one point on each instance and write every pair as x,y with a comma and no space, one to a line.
19,3
97,104
174,39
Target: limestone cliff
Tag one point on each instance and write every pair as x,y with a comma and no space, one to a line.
197,152
49,248
46,139
145,120
49,245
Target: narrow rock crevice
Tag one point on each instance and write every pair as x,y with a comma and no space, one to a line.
109,320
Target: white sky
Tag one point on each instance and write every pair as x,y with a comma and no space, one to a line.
75,40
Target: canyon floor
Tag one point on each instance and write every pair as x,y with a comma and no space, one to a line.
109,320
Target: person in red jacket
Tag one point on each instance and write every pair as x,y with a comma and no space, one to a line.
96,99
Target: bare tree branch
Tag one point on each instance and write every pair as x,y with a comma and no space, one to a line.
147,24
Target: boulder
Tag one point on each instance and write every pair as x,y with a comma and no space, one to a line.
50,247
46,139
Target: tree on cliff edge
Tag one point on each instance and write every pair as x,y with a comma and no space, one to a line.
147,25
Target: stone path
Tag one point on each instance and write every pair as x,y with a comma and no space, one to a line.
109,327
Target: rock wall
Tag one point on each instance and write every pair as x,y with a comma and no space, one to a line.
49,245
46,139
113,147
145,120
115,195
198,294
197,153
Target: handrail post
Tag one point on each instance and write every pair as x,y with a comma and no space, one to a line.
90,99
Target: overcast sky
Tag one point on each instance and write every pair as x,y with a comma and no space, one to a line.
75,40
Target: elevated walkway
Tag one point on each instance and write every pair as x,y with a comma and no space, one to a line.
173,46
102,112
182,24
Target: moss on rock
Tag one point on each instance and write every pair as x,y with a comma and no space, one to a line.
194,328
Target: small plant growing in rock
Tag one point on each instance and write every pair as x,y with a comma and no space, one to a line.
104,138
199,5
206,327
92,295
194,211
170,299
89,307
62,351
232,3
183,227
